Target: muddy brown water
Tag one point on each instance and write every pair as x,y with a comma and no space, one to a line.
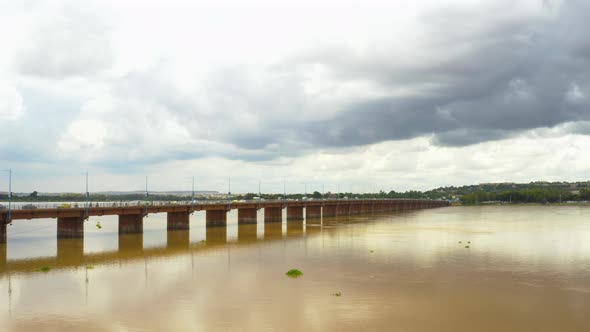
527,268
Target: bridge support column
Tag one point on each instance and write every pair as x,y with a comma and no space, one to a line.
130,223
247,216
364,208
329,211
216,218
294,213
3,233
70,227
273,214
178,220
313,214
343,210
3,255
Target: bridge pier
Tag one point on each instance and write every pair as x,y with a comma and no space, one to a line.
247,216
313,212
3,231
215,218
294,213
70,227
329,210
130,223
364,208
273,214
178,220
3,255
354,208
343,209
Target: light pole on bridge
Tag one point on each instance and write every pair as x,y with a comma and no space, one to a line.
87,206
193,192
146,195
9,194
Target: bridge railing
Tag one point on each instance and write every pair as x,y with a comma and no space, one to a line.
69,205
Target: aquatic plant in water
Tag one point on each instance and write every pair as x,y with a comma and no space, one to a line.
294,273
43,269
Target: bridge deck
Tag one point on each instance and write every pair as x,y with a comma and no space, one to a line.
159,207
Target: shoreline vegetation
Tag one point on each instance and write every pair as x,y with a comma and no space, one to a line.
482,194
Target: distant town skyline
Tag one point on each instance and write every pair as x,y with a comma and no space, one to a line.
351,94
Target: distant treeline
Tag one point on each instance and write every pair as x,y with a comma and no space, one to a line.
536,195
76,197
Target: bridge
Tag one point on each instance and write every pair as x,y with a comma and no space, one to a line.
70,220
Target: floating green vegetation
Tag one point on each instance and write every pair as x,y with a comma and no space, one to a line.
294,273
89,267
98,225
43,269
337,294
467,247
203,241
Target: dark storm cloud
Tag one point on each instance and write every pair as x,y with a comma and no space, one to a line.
513,75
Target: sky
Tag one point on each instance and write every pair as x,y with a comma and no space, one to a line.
325,95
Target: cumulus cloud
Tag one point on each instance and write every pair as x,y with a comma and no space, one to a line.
71,42
11,103
183,81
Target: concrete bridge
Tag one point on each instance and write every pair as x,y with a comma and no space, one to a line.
70,220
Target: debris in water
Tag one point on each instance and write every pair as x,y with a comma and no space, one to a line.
337,294
98,225
294,273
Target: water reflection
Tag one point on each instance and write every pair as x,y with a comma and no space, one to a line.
273,231
294,229
132,243
70,250
216,236
247,233
178,239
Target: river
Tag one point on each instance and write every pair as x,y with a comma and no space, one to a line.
491,268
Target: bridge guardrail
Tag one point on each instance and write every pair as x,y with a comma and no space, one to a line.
76,205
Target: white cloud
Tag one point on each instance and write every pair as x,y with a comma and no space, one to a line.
11,103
